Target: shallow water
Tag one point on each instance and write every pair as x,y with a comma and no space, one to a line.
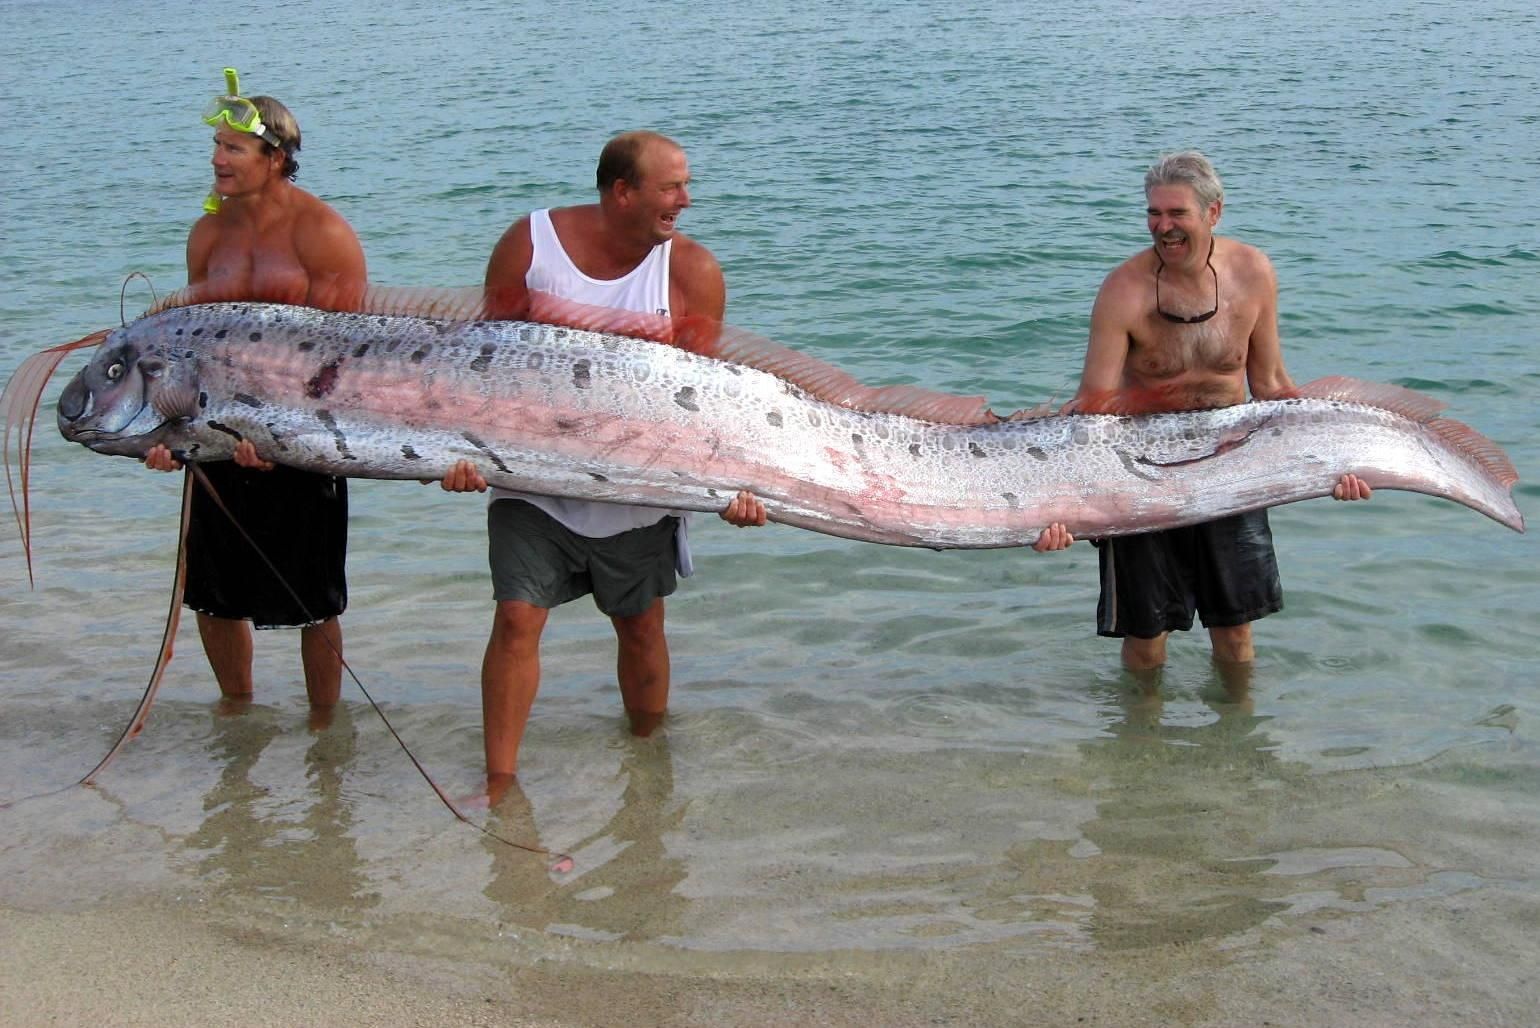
870,749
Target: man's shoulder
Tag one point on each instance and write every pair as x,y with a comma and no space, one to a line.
1129,277
1241,256
688,257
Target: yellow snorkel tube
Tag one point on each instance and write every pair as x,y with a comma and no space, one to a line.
238,113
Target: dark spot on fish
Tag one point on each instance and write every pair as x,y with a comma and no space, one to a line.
1129,465
360,349
774,417
914,448
420,353
178,332
1010,498
580,374
975,449
305,345
482,363
203,401
855,437
597,477
197,331
1038,452
338,435
248,400
323,383
566,424
409,453
226,429
255,337
221,333
491,455
686,398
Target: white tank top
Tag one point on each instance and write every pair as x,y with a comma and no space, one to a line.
644,288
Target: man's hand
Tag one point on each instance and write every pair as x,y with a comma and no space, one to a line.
463,478
1351,487
246,456
745,511
1054,537
159,459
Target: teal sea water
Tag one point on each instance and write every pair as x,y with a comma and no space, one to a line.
870,749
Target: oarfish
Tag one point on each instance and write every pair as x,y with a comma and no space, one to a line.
603,416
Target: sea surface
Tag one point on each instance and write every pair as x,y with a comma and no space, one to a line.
870,749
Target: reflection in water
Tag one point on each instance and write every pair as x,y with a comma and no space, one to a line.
292,845
1178,793
624,884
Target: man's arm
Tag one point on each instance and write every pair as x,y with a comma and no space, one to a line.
700,296
333,259
507,295
1106,355
1266,376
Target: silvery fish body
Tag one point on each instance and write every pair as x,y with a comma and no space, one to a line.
607,417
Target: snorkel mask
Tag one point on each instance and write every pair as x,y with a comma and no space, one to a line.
238,113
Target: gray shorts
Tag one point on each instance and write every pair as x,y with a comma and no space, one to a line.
537,559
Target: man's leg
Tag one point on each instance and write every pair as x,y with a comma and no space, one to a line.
320,650
1232,645
510,676
227,642
642,667
1144,654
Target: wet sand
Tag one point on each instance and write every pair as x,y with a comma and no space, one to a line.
209,963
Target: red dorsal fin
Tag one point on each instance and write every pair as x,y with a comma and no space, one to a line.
1421,408
1397,399
1128,402
463,303
826,382
1478,447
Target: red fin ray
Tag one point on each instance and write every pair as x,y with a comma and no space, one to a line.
1477,447
1396,399
18,412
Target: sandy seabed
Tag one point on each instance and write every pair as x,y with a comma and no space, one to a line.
1429,963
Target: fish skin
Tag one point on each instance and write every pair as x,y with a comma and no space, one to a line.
574,413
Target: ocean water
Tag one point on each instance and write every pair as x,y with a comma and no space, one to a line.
870,749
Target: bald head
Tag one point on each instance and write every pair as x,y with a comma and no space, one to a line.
621,158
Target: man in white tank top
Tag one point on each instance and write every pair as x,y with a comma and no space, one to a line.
624,253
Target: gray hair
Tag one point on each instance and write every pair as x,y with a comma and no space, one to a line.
1188,168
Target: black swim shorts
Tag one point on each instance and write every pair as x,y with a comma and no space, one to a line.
297,520
1223,570
537,559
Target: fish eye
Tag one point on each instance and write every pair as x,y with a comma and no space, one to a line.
115,371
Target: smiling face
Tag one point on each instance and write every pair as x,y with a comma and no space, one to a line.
660,193
243,164
1181,226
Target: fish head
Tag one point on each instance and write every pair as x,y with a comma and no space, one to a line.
130,396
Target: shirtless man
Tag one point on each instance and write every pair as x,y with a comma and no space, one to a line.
264,238
622,253
1192,321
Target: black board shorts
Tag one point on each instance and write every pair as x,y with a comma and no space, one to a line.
542,562
298,519
1223,570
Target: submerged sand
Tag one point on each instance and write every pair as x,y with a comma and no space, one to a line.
1464,960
